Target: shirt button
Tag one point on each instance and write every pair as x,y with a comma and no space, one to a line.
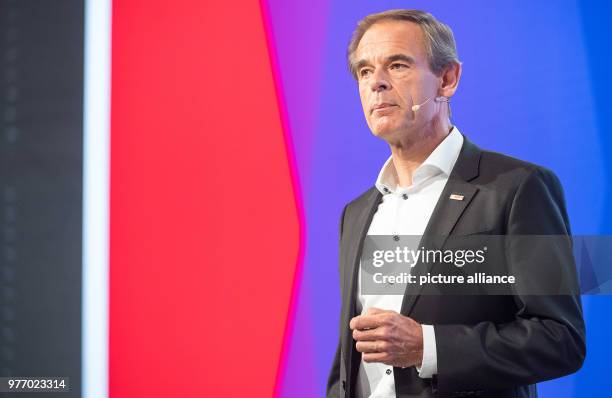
388,371
404,196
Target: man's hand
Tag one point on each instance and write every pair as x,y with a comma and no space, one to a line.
388,337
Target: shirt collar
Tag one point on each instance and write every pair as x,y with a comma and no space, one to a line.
441,160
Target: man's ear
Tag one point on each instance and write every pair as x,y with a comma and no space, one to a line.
449,80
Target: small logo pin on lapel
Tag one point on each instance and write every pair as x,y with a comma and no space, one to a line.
455,196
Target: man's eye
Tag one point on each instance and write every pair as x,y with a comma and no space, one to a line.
365,72
397,66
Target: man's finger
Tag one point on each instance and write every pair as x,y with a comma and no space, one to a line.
371,346
365,322
369,335
381,357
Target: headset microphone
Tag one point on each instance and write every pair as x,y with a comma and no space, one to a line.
438,99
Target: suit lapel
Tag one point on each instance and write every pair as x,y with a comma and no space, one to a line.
447,212
355,235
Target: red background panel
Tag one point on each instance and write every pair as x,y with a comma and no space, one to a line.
204,229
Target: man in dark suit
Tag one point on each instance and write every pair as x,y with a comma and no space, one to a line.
437,183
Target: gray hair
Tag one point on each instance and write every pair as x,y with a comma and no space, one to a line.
439,41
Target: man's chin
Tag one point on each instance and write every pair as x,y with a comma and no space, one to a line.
383,133
384,127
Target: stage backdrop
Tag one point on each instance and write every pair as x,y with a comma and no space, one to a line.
534,85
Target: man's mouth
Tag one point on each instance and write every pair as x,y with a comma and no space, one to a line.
381,106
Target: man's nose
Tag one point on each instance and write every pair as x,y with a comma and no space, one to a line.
380,81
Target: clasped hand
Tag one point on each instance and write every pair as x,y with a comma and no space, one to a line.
388,337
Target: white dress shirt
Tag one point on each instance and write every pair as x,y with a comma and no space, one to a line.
405,211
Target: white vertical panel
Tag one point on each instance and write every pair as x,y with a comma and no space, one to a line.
96,169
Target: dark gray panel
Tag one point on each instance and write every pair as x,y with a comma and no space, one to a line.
41,139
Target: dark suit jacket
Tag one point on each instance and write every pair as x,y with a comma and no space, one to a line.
487,345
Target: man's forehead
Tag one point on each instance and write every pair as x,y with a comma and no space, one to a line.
393,36
369,46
